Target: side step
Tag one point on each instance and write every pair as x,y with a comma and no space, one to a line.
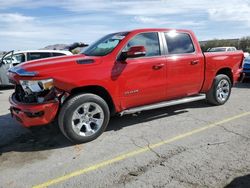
163,104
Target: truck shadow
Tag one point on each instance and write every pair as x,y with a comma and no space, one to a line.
6,87
15,138
118,123
240,182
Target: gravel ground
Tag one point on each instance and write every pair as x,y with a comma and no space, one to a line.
215,157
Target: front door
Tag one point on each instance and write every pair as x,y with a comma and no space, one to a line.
143,79
5,64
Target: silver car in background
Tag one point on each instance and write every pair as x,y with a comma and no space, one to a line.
12,58
222,49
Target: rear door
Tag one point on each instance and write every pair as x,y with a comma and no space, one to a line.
142,79
184,65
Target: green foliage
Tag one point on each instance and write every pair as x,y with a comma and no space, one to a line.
240,44
75,51
245,44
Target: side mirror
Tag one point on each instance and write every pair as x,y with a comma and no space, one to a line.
133,52
136,51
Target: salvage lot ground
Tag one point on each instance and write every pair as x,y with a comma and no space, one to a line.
191,145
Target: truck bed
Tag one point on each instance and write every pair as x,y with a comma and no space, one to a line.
215,61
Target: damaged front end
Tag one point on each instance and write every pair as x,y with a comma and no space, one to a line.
35,91
36,102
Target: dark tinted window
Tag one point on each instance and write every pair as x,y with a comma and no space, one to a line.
179,43
38,55
57,54
149,40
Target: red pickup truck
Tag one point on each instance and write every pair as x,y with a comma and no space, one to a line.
122,73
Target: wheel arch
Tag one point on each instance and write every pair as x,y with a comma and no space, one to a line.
97,90
226,71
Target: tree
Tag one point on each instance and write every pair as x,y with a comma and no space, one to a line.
75,51
245,44
240,44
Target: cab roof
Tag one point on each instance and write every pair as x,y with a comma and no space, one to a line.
159,30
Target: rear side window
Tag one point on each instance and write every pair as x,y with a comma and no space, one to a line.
38,55
179,43
57,54
149,40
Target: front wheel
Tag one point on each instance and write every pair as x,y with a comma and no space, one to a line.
84,117
220,90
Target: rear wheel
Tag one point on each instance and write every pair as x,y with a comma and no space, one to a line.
84,117
220,90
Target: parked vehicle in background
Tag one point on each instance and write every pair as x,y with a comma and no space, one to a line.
222,49
122,73
246,54
246,67
12,58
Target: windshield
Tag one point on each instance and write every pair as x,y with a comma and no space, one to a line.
217,50
105,45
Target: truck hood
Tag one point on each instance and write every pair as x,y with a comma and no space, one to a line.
47,66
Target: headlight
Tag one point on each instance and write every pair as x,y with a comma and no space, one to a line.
36,85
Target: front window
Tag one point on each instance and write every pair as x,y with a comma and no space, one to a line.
149,40
14,59
7,59
105,45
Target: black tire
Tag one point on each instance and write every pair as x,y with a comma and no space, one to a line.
70,107
212,96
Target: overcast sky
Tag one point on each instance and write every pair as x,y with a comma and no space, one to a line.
33,24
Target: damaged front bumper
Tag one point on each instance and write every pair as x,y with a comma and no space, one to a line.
34,114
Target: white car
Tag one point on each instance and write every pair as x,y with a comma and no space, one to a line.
222,49
14,58
246,54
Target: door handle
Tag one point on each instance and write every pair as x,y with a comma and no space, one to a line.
158,66
194,62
